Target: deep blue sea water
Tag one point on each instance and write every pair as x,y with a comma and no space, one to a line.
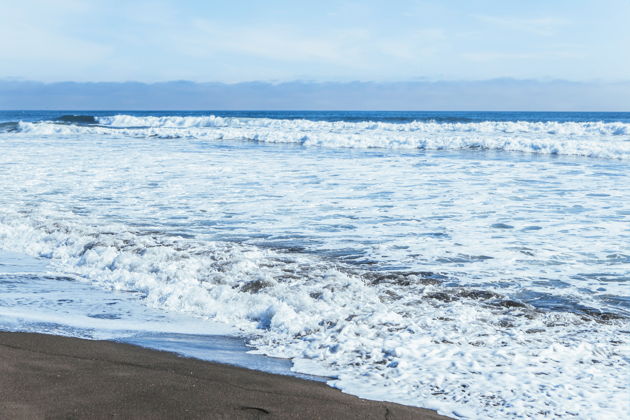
351,116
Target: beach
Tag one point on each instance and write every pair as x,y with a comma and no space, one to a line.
46,376
350,210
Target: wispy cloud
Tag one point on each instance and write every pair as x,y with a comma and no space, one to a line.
331,40
282,42
488,56
542,26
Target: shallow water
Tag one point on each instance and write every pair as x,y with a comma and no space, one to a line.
474,265
36,299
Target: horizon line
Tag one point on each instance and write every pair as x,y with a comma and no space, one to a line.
498,111
15,79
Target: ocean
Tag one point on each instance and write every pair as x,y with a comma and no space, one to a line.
476,263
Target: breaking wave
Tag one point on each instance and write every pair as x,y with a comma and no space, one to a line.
484,288
590,139
9,126
403,332
77,119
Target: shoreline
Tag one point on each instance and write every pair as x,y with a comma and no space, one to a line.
47,376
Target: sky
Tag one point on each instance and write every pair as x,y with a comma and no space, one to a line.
275,41
281,41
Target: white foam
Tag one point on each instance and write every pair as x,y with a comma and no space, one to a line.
592,139
190,227
170,121
460,357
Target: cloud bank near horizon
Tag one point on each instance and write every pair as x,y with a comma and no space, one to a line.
496,94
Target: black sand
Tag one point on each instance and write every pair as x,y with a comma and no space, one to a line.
45,376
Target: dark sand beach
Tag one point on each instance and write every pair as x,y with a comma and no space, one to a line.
45,376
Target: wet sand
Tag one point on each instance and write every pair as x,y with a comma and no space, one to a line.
45,376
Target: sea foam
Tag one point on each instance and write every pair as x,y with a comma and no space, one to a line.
389,337
484,286
591,139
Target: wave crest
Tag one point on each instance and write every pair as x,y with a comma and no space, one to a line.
170,121
591,139
78,119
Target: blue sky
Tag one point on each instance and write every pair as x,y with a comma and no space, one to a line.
338,41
